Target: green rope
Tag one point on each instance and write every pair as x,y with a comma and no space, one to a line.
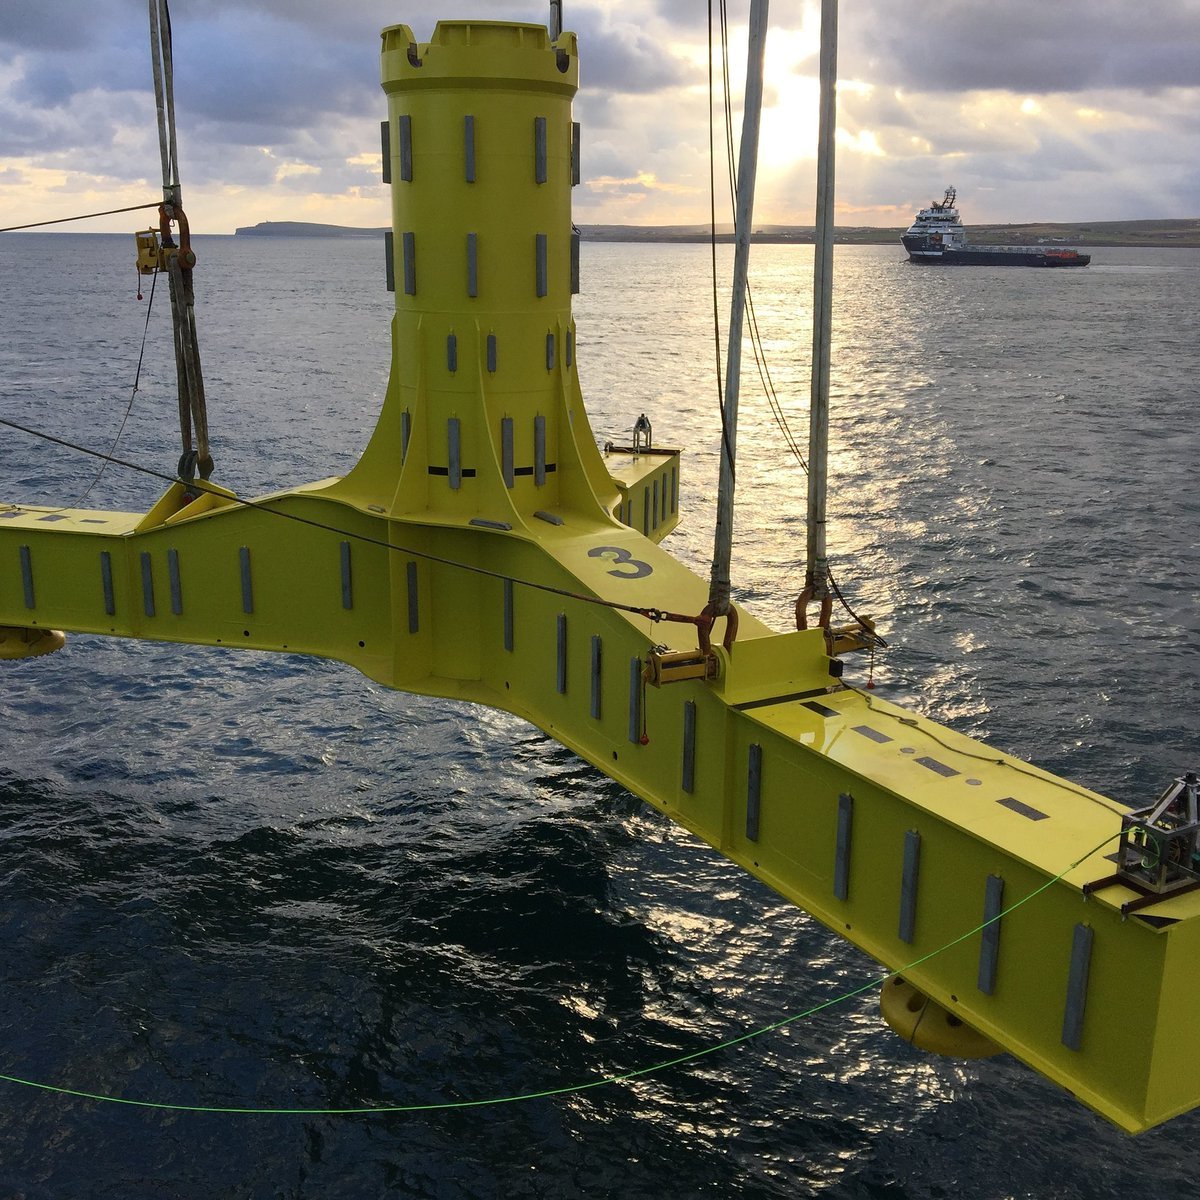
569,1089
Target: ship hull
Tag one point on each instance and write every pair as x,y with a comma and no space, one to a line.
921,251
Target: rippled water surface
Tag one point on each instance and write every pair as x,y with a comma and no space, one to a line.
250,880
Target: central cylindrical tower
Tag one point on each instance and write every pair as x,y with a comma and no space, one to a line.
482,154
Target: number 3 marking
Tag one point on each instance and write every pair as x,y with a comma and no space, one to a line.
622,558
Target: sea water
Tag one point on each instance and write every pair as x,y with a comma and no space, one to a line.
245,880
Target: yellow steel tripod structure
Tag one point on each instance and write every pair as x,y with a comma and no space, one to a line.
484,549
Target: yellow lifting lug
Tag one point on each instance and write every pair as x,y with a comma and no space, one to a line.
150,256
671,666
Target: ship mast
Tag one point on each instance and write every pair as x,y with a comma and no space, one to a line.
718,595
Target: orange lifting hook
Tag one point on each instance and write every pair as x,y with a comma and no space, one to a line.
705,622
804,600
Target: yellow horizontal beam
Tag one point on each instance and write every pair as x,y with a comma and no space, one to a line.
889,828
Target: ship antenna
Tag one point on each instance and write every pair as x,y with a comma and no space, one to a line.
556,20
719,583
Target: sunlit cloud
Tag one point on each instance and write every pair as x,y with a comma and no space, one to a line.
863,142
290,170
644,181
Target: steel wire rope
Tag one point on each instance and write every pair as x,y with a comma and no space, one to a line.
764,374
137,377
566,1089
760,355
726,445
193,412
876,639
759,351
712,209
106,458
162,67
82,217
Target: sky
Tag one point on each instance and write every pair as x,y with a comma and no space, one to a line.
1065,111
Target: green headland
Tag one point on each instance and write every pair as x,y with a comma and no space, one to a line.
1181,232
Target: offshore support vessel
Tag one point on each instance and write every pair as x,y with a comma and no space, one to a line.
937,235
485,549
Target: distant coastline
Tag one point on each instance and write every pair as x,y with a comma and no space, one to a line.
1164,233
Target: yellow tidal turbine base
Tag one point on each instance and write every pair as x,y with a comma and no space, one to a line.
477,549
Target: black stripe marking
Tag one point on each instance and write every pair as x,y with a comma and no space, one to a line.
938,768
787,699
873,734
1024,809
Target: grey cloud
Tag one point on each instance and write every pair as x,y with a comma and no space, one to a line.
692,15
1102,177
934,120
604,160
47,83
365,18
38,25
81,132
1070,45
880,108
626,59
258,72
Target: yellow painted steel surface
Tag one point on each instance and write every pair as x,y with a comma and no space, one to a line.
462,557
